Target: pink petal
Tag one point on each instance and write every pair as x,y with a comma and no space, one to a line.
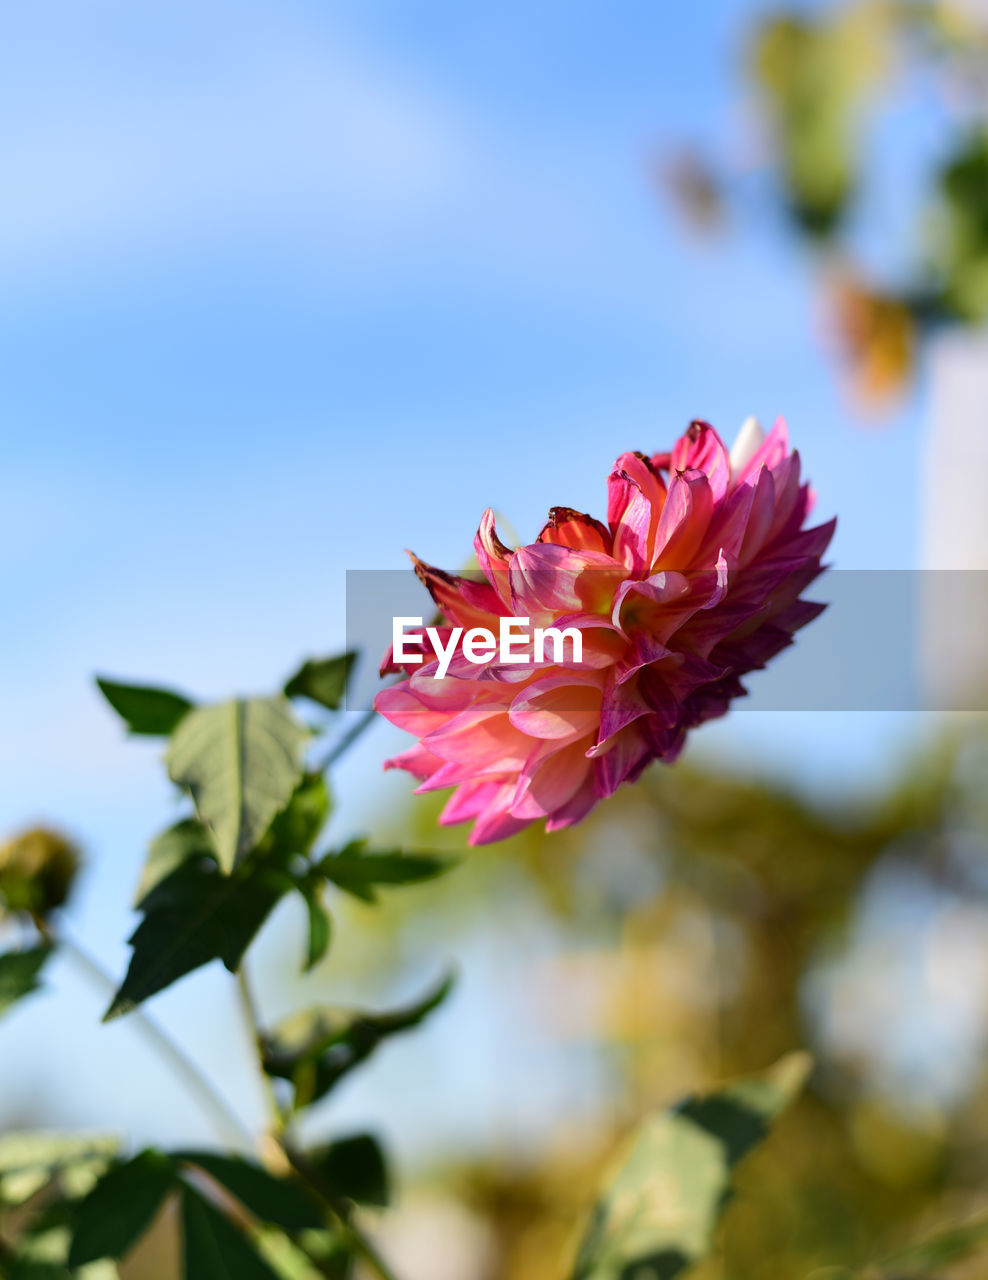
636,494
575,809
468,801
402,707
547,580
416,760
627,756
496,822
493,556
760,517
702,449
684,521
552,783
574,529
563,707
482,737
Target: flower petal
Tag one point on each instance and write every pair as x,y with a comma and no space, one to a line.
684,521
564,707
702,449
493,556
636,494
466,602
574,529
552,783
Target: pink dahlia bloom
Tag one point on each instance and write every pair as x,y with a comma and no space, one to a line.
693,581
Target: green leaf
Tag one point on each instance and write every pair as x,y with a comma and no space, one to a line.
315,1049
214,1249
241,761
355,1168
944,1249
19,972
323,680
156,712
658,1215
185,840
120,1207
297,827
320,926
359,872
196,915
283,1202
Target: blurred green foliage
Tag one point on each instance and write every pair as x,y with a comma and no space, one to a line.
825,77
815,74
255,812
691,913
961,241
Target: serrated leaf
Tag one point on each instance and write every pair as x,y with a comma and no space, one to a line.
120,1207
19,972
355,1168
185,840
155,712
241,762
658,1216
315,1049
322,680
360,872
283,1202
213,1248
196,915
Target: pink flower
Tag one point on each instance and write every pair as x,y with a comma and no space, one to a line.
693,582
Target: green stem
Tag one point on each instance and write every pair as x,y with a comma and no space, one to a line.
227,1123
340,1210
343,744
253,1026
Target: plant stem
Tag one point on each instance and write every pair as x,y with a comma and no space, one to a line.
253,1025
340,1210
225,1119
343,744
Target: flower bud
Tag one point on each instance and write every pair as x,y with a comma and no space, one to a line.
37,869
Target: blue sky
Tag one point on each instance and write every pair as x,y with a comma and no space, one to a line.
290,287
